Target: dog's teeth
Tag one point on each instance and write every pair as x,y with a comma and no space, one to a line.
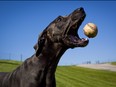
86,38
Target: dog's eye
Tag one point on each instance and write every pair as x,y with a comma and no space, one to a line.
59,19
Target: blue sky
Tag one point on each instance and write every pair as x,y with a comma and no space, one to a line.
22,21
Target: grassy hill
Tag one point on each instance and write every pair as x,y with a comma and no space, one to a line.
113,63
7,65
73,76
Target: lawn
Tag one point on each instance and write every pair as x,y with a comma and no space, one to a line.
113,63
73,76
7,65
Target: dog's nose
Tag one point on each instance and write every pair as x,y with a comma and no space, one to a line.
80,9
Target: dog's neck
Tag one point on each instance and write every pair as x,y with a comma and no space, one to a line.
51,54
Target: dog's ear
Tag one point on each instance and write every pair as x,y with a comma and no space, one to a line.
40,44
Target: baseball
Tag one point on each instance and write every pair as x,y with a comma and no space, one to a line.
90,30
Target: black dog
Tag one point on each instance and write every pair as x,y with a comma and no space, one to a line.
39,70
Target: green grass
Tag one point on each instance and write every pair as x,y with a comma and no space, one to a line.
113,63
73,76
7,65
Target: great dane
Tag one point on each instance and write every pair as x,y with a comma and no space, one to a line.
39,69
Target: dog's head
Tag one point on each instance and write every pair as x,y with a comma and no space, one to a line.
64,30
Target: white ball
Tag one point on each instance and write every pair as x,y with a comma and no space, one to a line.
90,30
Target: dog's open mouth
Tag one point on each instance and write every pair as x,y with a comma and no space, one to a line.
72,38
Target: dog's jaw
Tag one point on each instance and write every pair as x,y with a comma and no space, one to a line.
71,37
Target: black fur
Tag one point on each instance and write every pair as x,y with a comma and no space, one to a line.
39,69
